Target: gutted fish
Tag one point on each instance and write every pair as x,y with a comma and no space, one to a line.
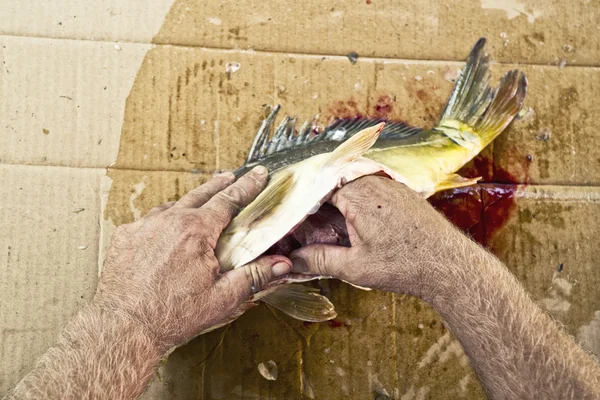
306,167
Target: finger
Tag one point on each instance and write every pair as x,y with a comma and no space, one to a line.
251,278
341,200
223,206
160,208
322,259
200,195
350,198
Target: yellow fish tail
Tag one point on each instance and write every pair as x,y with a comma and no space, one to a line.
475,107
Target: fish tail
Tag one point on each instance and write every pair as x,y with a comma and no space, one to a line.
479,108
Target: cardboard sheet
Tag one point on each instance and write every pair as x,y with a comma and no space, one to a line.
108,109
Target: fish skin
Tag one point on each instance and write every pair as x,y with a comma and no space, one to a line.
424,160
295,193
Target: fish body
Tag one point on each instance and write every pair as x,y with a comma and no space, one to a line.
306,167
295,192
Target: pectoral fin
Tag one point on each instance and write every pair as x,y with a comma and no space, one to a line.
301,302
455,181
265,203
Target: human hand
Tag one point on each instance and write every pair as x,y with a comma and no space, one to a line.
161,270
398,241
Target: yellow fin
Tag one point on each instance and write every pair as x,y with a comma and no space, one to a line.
354,147
266,201
301,302
476,107
454,181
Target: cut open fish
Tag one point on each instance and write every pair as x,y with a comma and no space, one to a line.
306,167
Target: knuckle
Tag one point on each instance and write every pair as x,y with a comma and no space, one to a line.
189,223
257,275
198,194
320,260
235,194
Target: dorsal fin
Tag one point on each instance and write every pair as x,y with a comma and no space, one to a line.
286,136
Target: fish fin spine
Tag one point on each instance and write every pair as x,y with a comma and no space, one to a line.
287,137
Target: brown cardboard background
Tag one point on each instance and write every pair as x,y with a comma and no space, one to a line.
541,32
150,121
48,262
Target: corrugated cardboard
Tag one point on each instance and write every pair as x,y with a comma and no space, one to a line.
48,262
520,31
107,109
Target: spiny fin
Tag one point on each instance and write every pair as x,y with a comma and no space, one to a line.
475,106
455,181
277,189
354,147
344,128
340,130
301,302
260,139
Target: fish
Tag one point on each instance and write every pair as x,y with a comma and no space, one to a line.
307,165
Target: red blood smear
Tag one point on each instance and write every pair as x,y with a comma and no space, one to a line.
336,324
481,210
345,109
499,203
383,107
464,208
349,109
332,323
481,166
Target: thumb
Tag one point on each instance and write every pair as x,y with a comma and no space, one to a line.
254,276
321,259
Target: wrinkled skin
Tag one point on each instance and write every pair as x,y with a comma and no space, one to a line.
389,227
161,287
162,271
399,243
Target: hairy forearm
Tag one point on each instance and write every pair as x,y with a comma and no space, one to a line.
99,355
515,347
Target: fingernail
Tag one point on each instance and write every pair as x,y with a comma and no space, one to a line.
299,265
281,268
259,170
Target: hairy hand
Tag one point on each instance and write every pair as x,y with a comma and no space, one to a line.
398,241
161,271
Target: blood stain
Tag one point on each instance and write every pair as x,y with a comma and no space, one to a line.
481,210
384,107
